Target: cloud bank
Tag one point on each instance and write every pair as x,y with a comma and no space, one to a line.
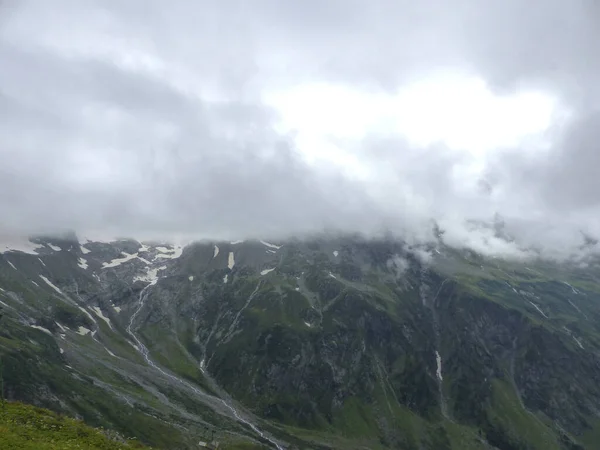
155,119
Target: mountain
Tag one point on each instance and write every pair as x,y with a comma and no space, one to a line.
334,342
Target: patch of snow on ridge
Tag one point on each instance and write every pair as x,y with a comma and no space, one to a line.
173,253
88,314
83,331
18,244
56,248
99,313
231,260
52,285
45,330
539,310
81,262
236,242
11,264
277,247
84,250
266,271
216,252
119,261
151,275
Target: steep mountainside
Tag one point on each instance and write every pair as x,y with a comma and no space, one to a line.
329,343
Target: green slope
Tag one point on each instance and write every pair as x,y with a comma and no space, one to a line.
25,427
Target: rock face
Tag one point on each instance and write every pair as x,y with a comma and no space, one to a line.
329,343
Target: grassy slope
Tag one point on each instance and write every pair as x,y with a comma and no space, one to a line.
27,427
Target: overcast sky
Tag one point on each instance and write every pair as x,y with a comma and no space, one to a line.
231,119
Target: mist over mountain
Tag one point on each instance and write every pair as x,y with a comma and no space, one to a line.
217,120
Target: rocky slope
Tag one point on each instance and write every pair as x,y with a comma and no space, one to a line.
325,343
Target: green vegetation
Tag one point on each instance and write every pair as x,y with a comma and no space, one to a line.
25,427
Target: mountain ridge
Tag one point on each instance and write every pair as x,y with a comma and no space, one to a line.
334,343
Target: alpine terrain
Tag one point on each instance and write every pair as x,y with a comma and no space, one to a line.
334,342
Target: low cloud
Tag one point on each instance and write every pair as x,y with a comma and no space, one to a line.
154,123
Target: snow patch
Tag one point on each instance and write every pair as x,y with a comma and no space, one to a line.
117,308
231,260
575,291
83,331
578,342
88,314
99,313
336,253
56,248
119,261
266,271
43,263
438,371
225,278
52,285
298,289
539,310
45,330
166,253
216,252
236,242
574,305
84,250
151,275
11,264
18,244
110,353
61,351
82,263
332,276
134,346
272,252
62,328
35,283
277,247
191,278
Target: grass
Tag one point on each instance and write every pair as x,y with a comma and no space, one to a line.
25,427
517,424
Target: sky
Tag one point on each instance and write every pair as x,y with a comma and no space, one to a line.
231,119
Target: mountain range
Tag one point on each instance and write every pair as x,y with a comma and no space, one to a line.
330,342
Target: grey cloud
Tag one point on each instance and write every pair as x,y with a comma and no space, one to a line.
142,117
